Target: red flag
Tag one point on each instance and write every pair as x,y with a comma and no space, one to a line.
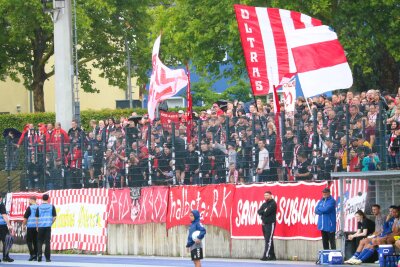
277,42
189,109
164,82
278,145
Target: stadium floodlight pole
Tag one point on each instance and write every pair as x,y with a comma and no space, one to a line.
60,12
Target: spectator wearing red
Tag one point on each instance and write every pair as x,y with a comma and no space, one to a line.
217,109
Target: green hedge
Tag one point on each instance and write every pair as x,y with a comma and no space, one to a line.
18,121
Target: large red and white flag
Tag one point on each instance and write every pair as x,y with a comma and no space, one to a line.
272,50
164,82
320,60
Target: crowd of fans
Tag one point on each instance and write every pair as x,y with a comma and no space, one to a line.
234,143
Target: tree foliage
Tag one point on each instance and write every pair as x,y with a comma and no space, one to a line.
104,26
205,33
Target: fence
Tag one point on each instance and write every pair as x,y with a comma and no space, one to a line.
221,149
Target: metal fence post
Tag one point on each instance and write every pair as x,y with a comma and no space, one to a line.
315,124
173,154
348,137
199,135
227,134
253,147
149,163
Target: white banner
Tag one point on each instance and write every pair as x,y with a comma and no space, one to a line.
81,217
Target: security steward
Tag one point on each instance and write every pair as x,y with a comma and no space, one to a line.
5,227
267,212
31,232
45,217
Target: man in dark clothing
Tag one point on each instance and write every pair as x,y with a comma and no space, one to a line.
267,212
192,165
205,164
45,217
5,226
317,165
288,147
31,232
303,172
164,166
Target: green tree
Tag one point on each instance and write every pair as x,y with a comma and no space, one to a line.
205,33
202,92
26,42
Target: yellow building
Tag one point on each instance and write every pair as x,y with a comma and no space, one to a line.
14,98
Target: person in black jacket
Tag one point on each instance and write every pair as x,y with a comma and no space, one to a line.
267,212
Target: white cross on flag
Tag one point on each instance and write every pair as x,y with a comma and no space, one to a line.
278,42
164,82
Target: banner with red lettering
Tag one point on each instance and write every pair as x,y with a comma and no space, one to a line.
167,118
214,203
296,218
138,205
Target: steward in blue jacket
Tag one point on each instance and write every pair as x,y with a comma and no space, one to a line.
194,243
45,217
31,231
326,209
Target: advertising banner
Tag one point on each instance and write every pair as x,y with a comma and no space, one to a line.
295,219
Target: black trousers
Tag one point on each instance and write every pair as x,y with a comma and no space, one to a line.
268,232
3,232
32,240
328,238
44,236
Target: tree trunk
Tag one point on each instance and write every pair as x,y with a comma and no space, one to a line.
39,75
38,97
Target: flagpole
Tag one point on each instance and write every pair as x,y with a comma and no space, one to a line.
189,109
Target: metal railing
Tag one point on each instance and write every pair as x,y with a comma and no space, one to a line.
221,150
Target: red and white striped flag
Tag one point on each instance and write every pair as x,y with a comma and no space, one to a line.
164,82
270,41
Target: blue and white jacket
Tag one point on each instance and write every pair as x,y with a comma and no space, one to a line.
195,226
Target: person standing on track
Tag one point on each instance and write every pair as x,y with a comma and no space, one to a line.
31,232
267,212
5,228
326,211
195,245
45,217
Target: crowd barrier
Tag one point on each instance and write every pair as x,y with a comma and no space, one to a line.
103,220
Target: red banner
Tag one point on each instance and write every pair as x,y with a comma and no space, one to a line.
18,202
295,217
214,203
138,206
167,118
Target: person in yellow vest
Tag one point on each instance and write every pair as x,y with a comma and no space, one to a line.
45,217
31,232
